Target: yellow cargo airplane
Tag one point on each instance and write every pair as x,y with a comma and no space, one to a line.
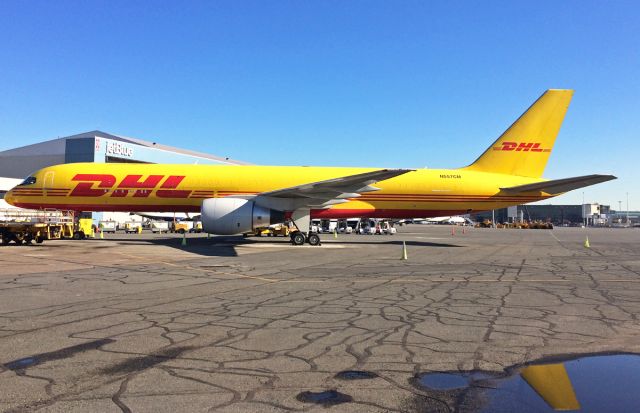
236,199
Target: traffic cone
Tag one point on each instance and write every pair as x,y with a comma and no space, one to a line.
586,243
453,231
184,239
404,250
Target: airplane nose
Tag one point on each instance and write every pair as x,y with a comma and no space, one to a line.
9,198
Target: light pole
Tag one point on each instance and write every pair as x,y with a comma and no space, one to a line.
584,212
619,214
627,208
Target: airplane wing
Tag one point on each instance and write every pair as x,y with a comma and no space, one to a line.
558,186
344,187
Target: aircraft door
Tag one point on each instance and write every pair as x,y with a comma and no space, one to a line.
48,180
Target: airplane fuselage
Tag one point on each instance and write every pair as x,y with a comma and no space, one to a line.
182,188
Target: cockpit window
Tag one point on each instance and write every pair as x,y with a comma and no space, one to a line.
29,181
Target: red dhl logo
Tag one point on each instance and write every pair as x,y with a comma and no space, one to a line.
95,185
520,147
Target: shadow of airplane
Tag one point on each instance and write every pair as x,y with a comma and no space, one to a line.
398,242
225,246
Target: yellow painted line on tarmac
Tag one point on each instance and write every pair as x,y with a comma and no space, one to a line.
554,236
169,263
133,256
425,280
618,281
418,280
477,281
252,277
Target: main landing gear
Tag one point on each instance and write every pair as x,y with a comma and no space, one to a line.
301,219
299,238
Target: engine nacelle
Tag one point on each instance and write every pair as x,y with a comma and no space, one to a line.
229,216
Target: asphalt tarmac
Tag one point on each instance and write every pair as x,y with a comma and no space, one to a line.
140,323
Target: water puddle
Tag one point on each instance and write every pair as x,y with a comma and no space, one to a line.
22,363
355,375
443,381
324,398
595,383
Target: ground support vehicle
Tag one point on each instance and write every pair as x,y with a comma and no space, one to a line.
133,227
84,228
271,231
385,227
197,227
158,227
108,226
181,226
21,226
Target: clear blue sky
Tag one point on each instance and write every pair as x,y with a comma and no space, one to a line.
362,83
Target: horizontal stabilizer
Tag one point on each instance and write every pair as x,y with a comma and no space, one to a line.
559,186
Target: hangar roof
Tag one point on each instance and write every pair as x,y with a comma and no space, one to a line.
57,146
155,145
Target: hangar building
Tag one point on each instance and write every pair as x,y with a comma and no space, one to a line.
99,147
94,146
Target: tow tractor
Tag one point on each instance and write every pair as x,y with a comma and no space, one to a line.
270,231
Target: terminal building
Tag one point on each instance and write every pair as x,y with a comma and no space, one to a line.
568,215
95,146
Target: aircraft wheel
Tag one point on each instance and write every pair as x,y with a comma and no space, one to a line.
314,239
297,238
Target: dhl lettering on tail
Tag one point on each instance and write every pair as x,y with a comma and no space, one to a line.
520,147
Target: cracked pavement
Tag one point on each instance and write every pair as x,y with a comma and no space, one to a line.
138,323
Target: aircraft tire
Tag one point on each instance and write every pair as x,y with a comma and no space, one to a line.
297,238
314,239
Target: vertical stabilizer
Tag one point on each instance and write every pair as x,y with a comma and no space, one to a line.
524,148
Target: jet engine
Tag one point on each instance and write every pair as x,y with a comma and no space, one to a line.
228,216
